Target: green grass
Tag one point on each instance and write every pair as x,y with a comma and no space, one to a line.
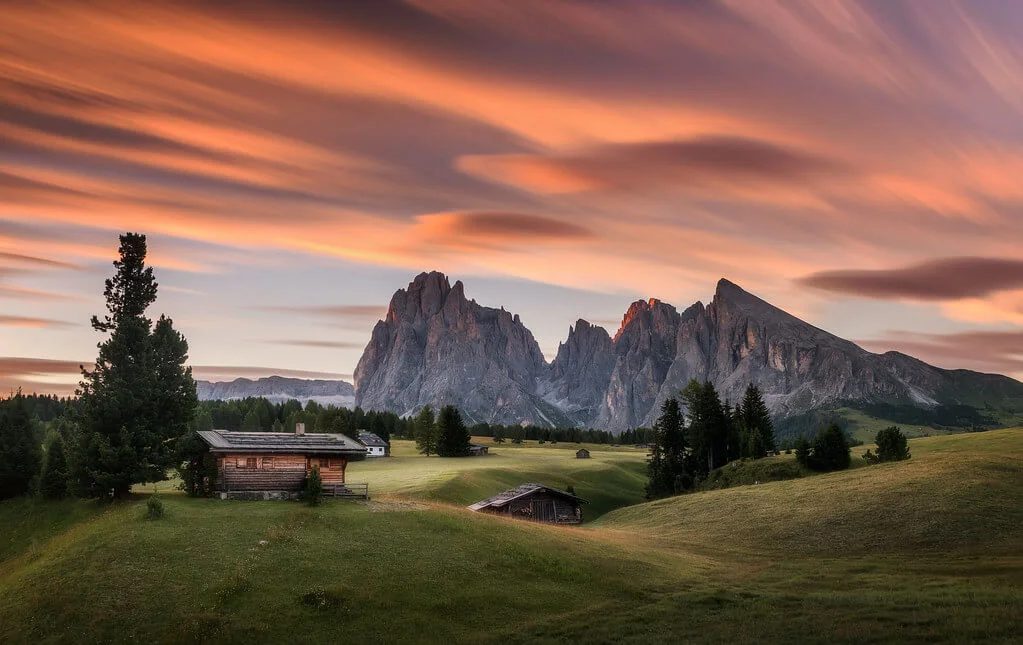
929,550
611,478
865,427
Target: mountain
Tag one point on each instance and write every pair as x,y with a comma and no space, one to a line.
436,347
277,389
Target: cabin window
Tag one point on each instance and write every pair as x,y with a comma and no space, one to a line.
268,462
246,462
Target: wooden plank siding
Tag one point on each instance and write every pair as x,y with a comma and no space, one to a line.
260,472
540,507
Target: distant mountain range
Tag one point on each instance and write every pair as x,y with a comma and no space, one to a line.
437,347
279,388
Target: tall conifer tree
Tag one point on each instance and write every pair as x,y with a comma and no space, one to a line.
426,432
668,468
756,424
140,396
453,436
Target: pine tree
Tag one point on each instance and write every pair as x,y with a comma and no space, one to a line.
891,444
426,432
803,451
453,439
756,424
708,428
668,468
140,396
53,481
19,448
251,421
204,419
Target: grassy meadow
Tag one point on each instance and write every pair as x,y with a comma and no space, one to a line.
925,550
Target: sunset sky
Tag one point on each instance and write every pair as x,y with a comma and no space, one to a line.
859,164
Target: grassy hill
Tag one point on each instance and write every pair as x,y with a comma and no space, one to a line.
925,550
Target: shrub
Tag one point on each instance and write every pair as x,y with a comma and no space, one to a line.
154,507
314,487
196,465
891,445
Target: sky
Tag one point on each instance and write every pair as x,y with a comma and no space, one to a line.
293,164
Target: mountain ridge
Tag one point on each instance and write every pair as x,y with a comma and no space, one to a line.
436,347
278,389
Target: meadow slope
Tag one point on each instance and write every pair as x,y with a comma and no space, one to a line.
926,550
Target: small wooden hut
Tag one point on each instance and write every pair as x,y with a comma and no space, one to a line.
476,450
534,502
582,453
261,465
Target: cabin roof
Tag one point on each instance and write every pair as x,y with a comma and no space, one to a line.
226,441
371,440
522,490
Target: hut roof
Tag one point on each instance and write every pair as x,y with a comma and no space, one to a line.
226,441
370,439
499,500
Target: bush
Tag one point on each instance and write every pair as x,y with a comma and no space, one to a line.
196,465
891,445
154,507
314,487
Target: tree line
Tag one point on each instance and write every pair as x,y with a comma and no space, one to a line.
256,414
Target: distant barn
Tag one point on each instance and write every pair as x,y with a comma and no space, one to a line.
476,450
272,465
375,446
582,453
534,502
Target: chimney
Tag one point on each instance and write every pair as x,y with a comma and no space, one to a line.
299,428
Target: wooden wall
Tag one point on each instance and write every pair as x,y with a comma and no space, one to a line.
275,472
541,507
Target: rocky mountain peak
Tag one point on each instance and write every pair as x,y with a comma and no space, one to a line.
436,347
650,313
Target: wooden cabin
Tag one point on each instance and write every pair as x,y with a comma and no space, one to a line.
279,462
476,450
582,453
375,446
535,502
